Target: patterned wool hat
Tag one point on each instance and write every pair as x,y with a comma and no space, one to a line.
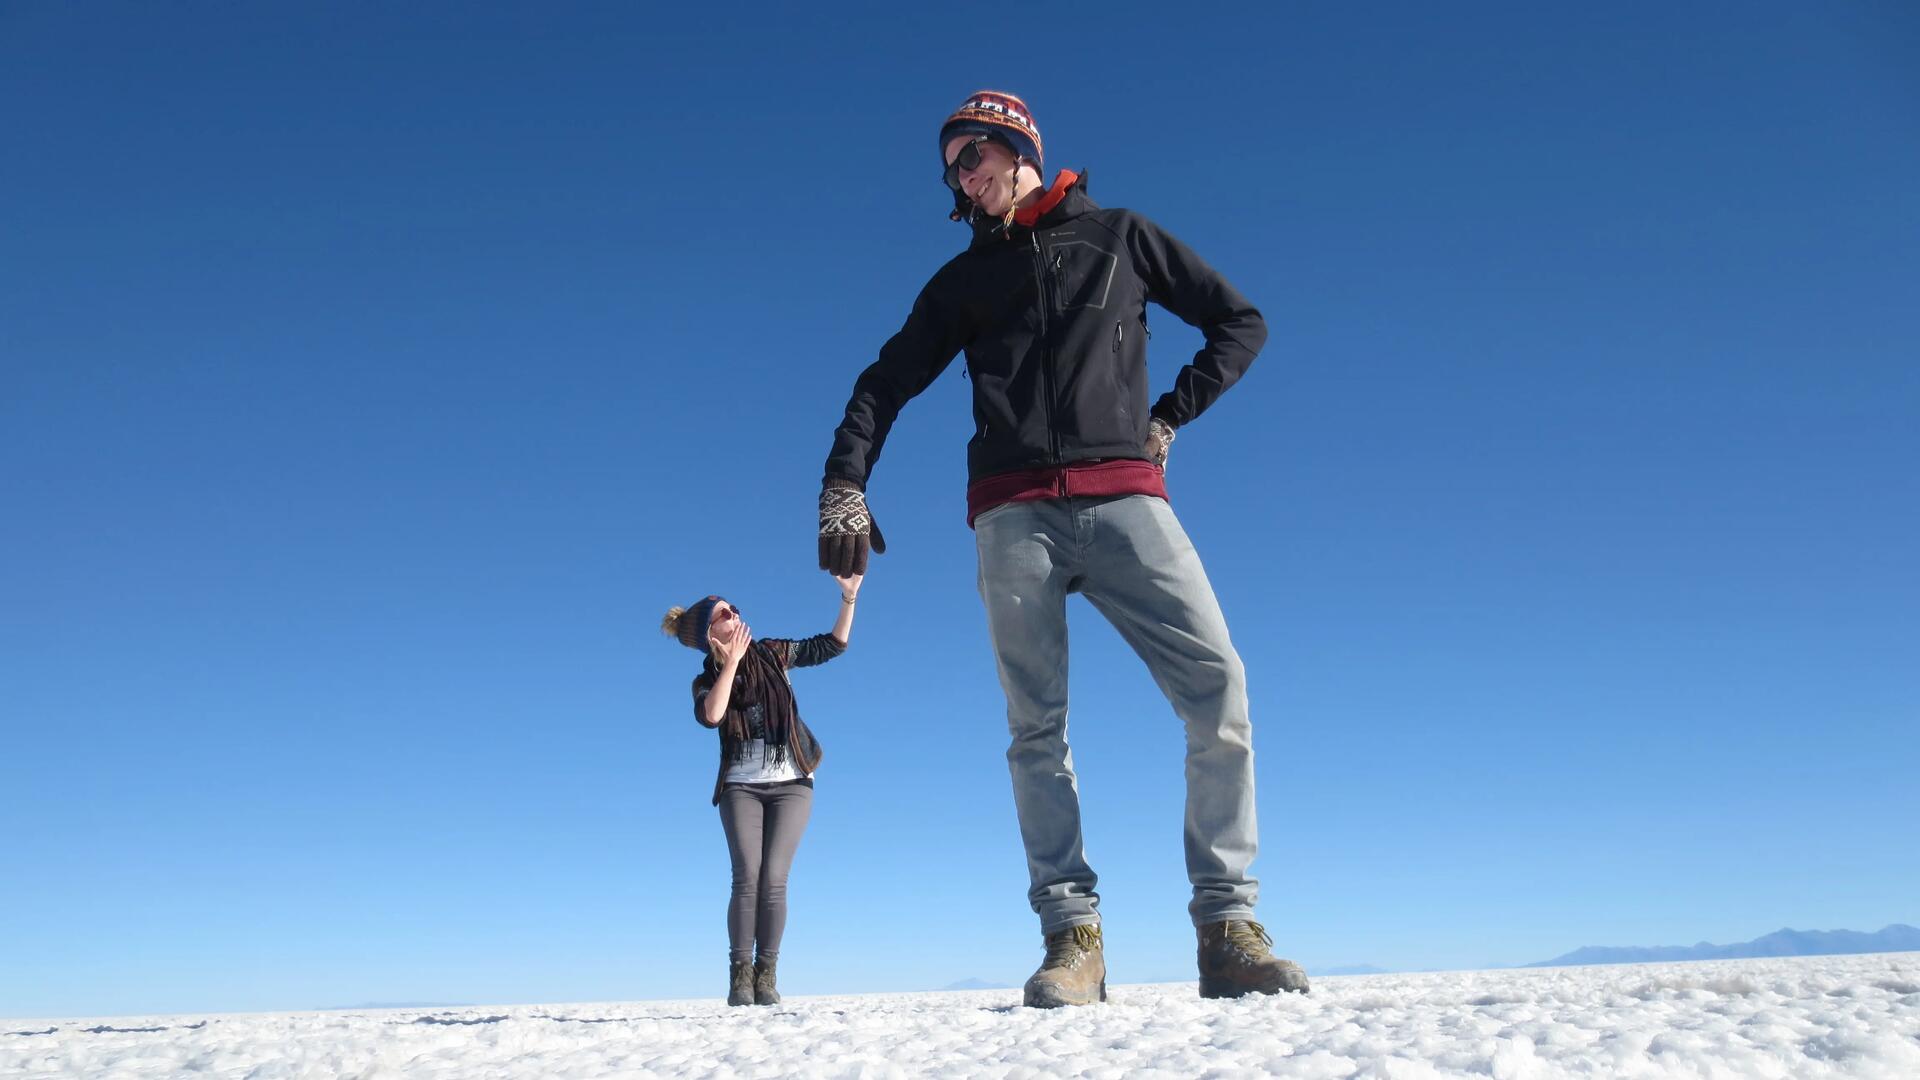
693,624
990,112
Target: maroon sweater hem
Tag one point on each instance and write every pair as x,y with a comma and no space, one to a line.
1089,479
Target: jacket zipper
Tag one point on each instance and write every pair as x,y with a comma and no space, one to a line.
1046,363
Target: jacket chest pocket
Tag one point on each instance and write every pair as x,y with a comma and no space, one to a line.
1082,274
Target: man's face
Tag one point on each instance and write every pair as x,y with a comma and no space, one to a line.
990,185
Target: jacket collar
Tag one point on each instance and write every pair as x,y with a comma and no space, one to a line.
1065,199
1063,183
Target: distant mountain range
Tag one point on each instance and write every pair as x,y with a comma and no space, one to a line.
1897,937
976,984
397,1005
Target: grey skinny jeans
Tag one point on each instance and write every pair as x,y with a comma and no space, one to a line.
763,826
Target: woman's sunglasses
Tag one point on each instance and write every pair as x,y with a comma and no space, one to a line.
968,158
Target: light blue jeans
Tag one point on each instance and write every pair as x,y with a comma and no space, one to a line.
1133,562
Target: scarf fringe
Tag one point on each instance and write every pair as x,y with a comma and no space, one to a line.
762,681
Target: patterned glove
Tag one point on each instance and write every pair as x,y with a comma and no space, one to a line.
1159,440
847,530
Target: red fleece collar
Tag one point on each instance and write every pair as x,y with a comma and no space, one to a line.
1030,216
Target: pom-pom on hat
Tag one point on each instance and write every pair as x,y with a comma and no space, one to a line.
689,624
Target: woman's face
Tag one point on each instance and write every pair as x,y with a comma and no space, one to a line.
723,624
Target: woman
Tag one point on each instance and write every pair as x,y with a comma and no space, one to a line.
767,758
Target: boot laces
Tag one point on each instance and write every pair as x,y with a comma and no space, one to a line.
1250,938
1065,948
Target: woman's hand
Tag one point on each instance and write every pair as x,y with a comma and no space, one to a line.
730,643
849,586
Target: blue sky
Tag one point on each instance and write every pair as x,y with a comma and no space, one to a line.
373,376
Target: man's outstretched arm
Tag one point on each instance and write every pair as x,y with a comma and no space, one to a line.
908,364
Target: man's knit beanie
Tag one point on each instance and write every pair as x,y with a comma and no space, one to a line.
1003,116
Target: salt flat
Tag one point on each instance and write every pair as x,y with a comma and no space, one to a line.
1804,1017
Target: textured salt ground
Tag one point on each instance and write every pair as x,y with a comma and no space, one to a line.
1811,1017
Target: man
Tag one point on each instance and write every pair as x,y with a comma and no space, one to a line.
1067,494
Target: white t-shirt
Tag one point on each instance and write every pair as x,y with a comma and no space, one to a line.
753,767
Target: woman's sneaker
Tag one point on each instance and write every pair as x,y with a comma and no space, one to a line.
765,992
739,982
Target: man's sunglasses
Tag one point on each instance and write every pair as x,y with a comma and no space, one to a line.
968,158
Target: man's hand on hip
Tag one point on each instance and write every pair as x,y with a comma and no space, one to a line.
1159,441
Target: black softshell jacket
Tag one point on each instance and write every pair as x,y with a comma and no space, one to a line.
1053,323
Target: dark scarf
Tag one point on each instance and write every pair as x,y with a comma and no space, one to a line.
761,680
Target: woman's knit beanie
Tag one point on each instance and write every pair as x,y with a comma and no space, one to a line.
692,627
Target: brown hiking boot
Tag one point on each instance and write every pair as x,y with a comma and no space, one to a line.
764,990
739,982
1074,972
1234,960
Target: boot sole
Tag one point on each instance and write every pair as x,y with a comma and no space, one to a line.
1028,1001
1217,987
